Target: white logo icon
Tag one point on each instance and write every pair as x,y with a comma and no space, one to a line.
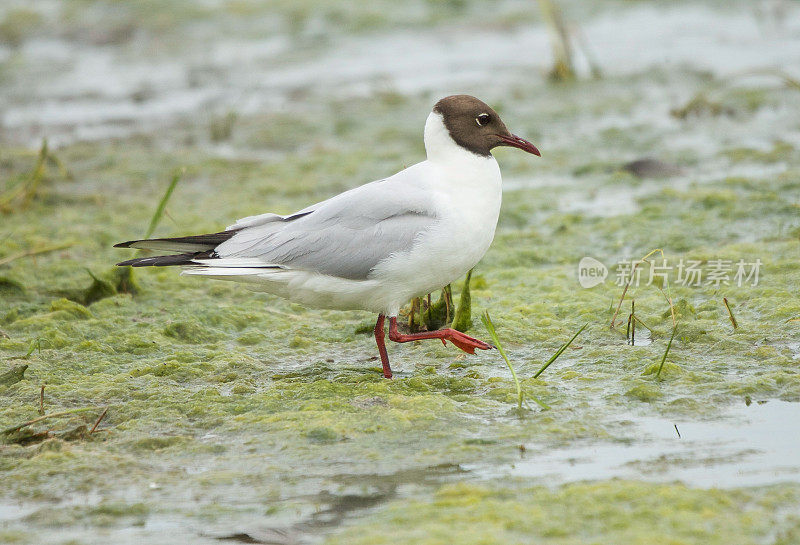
591,272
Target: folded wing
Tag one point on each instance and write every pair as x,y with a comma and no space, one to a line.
345,236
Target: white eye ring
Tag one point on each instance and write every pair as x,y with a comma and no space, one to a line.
482,117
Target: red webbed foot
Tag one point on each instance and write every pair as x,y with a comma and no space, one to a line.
461,340
464,342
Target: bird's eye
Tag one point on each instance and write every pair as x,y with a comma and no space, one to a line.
483,120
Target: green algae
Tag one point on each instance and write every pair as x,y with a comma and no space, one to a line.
583,513
254,406
63,309
190,332
8,285
105,515
16,24
438,313
13,375
644,392
99,289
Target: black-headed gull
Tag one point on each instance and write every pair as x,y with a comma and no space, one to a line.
376,246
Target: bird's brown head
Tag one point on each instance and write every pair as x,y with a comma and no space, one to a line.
475,126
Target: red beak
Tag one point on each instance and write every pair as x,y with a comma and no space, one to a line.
516,142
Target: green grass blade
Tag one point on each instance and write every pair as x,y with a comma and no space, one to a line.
162,204
664,358
35,343
462,320
539,402
487,322
560,351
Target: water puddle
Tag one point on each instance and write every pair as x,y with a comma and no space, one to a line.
642,337
11,511
749,446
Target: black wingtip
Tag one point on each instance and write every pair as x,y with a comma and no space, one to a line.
138,262
165,260
203,242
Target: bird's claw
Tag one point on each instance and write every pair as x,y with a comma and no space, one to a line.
466,343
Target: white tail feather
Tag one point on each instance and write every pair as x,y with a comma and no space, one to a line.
234,262
223,271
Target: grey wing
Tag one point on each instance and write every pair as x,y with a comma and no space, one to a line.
346,236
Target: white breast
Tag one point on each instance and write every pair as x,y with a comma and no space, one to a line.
467,191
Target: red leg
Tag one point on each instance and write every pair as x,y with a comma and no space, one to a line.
464,342
379,334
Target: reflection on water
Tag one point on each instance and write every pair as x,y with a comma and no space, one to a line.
751,446
364,492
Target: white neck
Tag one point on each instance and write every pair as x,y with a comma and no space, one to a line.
458,165
441,147
468,190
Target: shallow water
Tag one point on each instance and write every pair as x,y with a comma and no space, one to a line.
754,445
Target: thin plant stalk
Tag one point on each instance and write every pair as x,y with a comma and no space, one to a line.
162,204
787,79
559,351
35,344
622,297
639,320
563,67
97,422
37,251
628,328
630,331
583,43
462,318
730,313
51,415
667,296
428,309
447,292
664,358
27,189
412,313
487,322
36,179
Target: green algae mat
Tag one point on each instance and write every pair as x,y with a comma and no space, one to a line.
146,407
